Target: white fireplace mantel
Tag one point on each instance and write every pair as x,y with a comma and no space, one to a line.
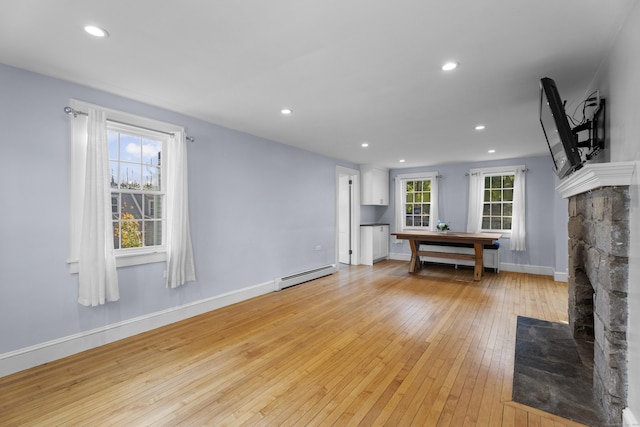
596,175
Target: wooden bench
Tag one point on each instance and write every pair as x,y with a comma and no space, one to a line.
460,254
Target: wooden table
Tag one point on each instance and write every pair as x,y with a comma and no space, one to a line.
478,240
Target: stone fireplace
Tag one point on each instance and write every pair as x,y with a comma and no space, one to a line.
599,203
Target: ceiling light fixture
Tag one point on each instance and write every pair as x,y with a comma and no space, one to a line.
491,151
450,66
401,160
365,144
96,31
286,111
480,127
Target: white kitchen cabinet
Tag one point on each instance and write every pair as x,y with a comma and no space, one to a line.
374,185
374,243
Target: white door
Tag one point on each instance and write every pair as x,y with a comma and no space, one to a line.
344,219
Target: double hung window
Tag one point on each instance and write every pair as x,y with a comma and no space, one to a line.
137,187
497,203
416,201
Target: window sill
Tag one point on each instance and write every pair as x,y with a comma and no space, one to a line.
128,260
505,234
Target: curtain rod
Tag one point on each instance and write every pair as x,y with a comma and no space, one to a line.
478,173
72,112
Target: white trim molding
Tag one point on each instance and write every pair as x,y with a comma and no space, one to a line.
561,276
127,259
400,256
628,419
540,270
49,351
596,175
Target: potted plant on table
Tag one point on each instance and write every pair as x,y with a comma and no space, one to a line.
442,226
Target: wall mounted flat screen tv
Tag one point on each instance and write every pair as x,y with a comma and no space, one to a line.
562,142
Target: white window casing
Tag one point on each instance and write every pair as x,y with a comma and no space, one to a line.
400,183
517,233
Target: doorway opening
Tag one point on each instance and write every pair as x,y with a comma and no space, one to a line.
347,216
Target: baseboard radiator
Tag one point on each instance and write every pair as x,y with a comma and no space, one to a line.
305,276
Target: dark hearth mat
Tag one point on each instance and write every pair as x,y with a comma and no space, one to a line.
549,373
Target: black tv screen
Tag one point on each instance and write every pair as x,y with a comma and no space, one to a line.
560,138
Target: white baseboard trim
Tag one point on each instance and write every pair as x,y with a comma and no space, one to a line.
561,277
29,357
400,256
517,268
529,269
628,419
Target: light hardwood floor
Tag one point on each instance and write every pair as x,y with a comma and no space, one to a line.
366,346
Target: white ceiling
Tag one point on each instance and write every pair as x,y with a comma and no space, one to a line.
351,70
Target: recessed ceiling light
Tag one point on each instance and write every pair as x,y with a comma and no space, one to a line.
365,144
96,31
491,151
286,111
450,66
401,160
480,127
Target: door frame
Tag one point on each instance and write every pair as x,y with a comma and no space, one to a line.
354,220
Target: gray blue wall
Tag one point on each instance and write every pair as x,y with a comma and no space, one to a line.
546,212
258,210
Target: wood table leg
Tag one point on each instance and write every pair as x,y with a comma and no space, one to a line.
414,264
479,267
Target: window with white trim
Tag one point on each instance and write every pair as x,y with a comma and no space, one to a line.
416,201
497,203
137,187
138,178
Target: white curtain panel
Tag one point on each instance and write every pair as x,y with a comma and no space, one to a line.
518,223
180,263
398,210
474,218
434,214
98,280
77,187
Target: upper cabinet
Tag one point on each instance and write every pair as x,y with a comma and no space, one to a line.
374,189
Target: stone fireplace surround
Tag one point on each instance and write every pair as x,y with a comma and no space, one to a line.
599,206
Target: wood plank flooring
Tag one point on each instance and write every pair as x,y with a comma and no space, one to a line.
367,346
